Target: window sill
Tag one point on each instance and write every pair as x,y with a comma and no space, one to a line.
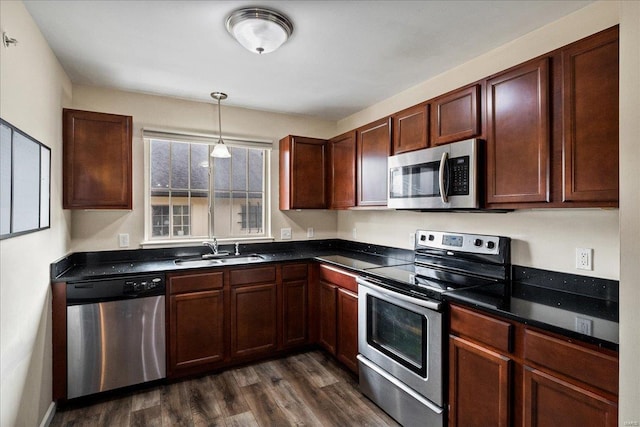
149,244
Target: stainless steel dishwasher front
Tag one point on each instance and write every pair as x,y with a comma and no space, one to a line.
115,334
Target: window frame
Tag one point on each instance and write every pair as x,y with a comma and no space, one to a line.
169,241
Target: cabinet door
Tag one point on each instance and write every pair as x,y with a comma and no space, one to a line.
518,141
196,329
456,116
549,401
97,160
479,385
328,310
254,324
294,324
303,172
411,129
342,172
373,149
590,118
347,335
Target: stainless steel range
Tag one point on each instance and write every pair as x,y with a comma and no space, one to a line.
401,320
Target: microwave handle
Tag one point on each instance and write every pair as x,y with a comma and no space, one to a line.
441,183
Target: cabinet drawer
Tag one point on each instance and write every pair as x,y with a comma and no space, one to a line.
481,328
577,362
294,272
338,277
195,282
252,275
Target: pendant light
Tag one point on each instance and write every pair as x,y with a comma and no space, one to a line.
220,150
258,29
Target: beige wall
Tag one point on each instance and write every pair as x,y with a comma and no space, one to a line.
542,238
629,212
94,230
34,89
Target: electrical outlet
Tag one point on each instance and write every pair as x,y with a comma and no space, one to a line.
310,232
123,240
584,258
285,233
584,325
354,234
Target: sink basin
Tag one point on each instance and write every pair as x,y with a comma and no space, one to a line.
211,262
198,262
241,259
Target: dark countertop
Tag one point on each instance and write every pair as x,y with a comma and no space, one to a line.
548,300
550,308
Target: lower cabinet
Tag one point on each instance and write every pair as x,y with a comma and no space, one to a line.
347,335
295,303
338,314
254,311
195,335
504,373
479,385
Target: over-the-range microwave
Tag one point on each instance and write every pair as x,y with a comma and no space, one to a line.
443,177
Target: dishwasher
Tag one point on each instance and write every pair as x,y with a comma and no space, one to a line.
115,333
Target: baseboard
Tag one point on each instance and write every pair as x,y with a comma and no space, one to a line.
48,416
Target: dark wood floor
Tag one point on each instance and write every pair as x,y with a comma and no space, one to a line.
308,389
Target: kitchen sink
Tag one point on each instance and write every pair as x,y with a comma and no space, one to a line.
227,260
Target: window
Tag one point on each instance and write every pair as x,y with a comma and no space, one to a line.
192,195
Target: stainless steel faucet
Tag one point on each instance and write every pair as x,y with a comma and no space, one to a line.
213,246
237,248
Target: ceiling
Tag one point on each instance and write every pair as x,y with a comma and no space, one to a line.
343,56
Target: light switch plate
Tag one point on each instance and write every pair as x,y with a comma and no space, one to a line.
285,233
123,240
310,232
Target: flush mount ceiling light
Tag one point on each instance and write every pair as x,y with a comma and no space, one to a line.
220,150
258,29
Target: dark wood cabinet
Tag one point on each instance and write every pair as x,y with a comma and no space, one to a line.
347,330
327,296
342,171
549,401
303,173
552,128
295,305
373,149
502,372
254,312
195,335
96,160
338,314
518,134
456,115
411,129
590,118
479,385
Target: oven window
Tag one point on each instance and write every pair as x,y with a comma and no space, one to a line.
398,332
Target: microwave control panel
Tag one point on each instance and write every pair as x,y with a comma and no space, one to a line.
459,176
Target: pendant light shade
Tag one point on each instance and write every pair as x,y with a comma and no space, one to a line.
259,30
220,150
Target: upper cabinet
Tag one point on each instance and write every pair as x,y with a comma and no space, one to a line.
342,171
552,129
373,149
456,116
411,129
303,172
518,135
97,160
590,118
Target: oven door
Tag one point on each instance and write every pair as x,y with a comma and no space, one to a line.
403,336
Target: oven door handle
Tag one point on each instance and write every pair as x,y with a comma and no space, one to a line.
426,303
441,181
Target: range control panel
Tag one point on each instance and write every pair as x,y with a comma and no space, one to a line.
458,242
